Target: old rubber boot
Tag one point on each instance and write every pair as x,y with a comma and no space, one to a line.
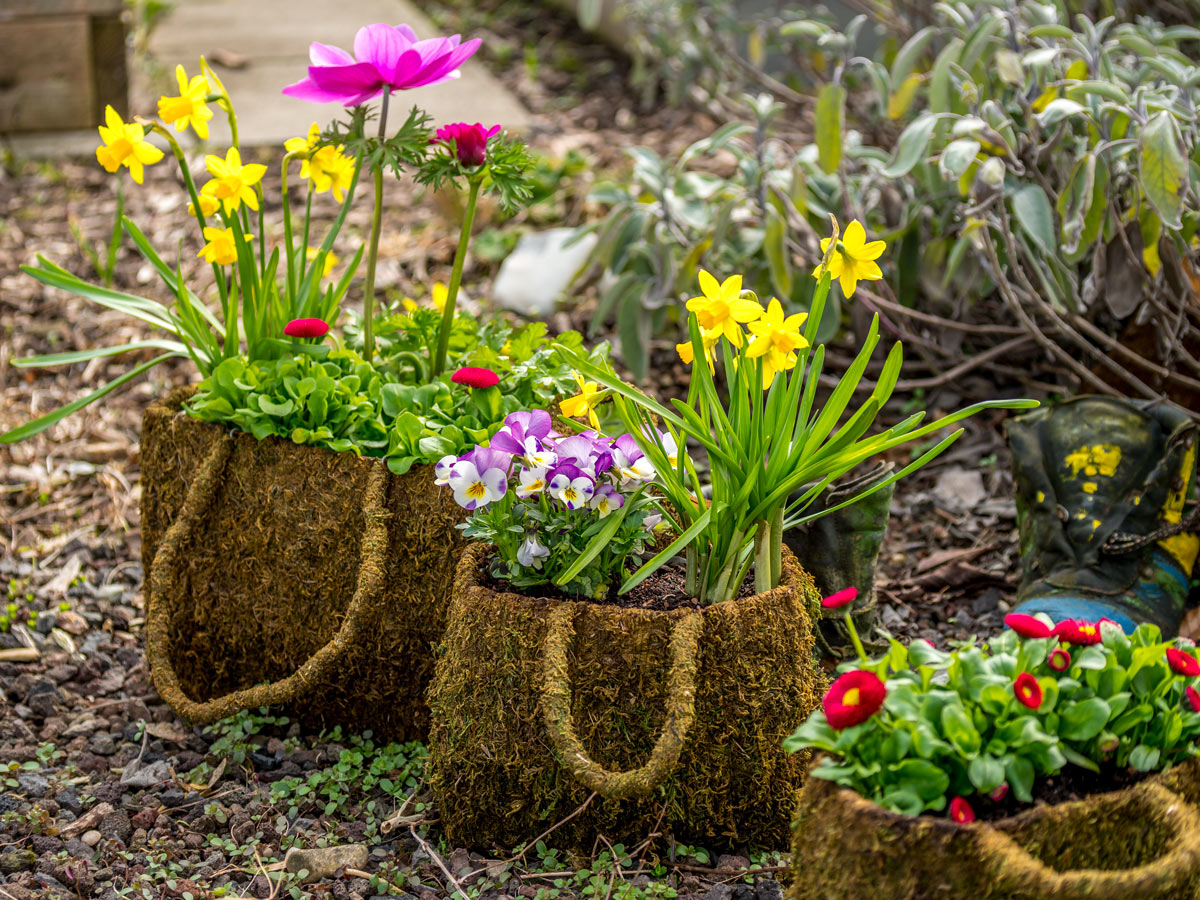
840,550
1102,491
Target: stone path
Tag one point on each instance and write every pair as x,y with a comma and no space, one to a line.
272,38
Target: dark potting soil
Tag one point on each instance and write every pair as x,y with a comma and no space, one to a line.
663,591
1072,783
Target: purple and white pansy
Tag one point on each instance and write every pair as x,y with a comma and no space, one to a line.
571,486
479,478
535,495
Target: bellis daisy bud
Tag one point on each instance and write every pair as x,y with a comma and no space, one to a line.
306,328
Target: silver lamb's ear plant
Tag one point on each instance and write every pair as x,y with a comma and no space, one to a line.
768,441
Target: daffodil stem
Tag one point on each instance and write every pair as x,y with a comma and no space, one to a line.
853,632
372,259
287,231
373,248
460,258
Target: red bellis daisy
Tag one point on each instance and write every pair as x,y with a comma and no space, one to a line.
306,328
475,377
1028,626
961,812
841,598
1028,691
853,698
1077,631
1060,659
1193,698
1182,663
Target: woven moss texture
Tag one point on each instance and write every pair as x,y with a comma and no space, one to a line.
265,578
497,775
1142,842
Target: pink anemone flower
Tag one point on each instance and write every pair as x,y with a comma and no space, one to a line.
384,57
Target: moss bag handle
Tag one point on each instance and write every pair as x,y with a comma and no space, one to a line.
681,708
1014,868
163,582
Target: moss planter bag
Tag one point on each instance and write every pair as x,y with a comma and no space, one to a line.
279,574
1141,842
675,719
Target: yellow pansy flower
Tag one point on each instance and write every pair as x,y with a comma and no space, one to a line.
584,404
330,260
722,308
232,183
189,108
221,247
208,205
776,339
853,259
125,144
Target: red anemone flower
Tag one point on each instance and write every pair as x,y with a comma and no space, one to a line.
853,698
960,811
1077,631
1193,698
1182,663
1028,691
841,598
1060,659
1028,626
470,141
475,377
306,328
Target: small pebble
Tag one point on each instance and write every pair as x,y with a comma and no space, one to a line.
91,838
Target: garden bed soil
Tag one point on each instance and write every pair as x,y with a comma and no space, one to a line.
1073,783
663,591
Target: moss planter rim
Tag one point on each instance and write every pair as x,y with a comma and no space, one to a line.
863,806
998,847
478,552
171,404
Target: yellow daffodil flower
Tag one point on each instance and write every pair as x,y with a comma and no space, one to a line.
438,294
853,258
221,247
125,144
776,339
305,144
709,338
584,404
722,308
208,206
189,108
330,260
232,183
328,168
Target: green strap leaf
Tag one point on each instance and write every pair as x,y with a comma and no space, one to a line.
669,553
595,545
29,429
